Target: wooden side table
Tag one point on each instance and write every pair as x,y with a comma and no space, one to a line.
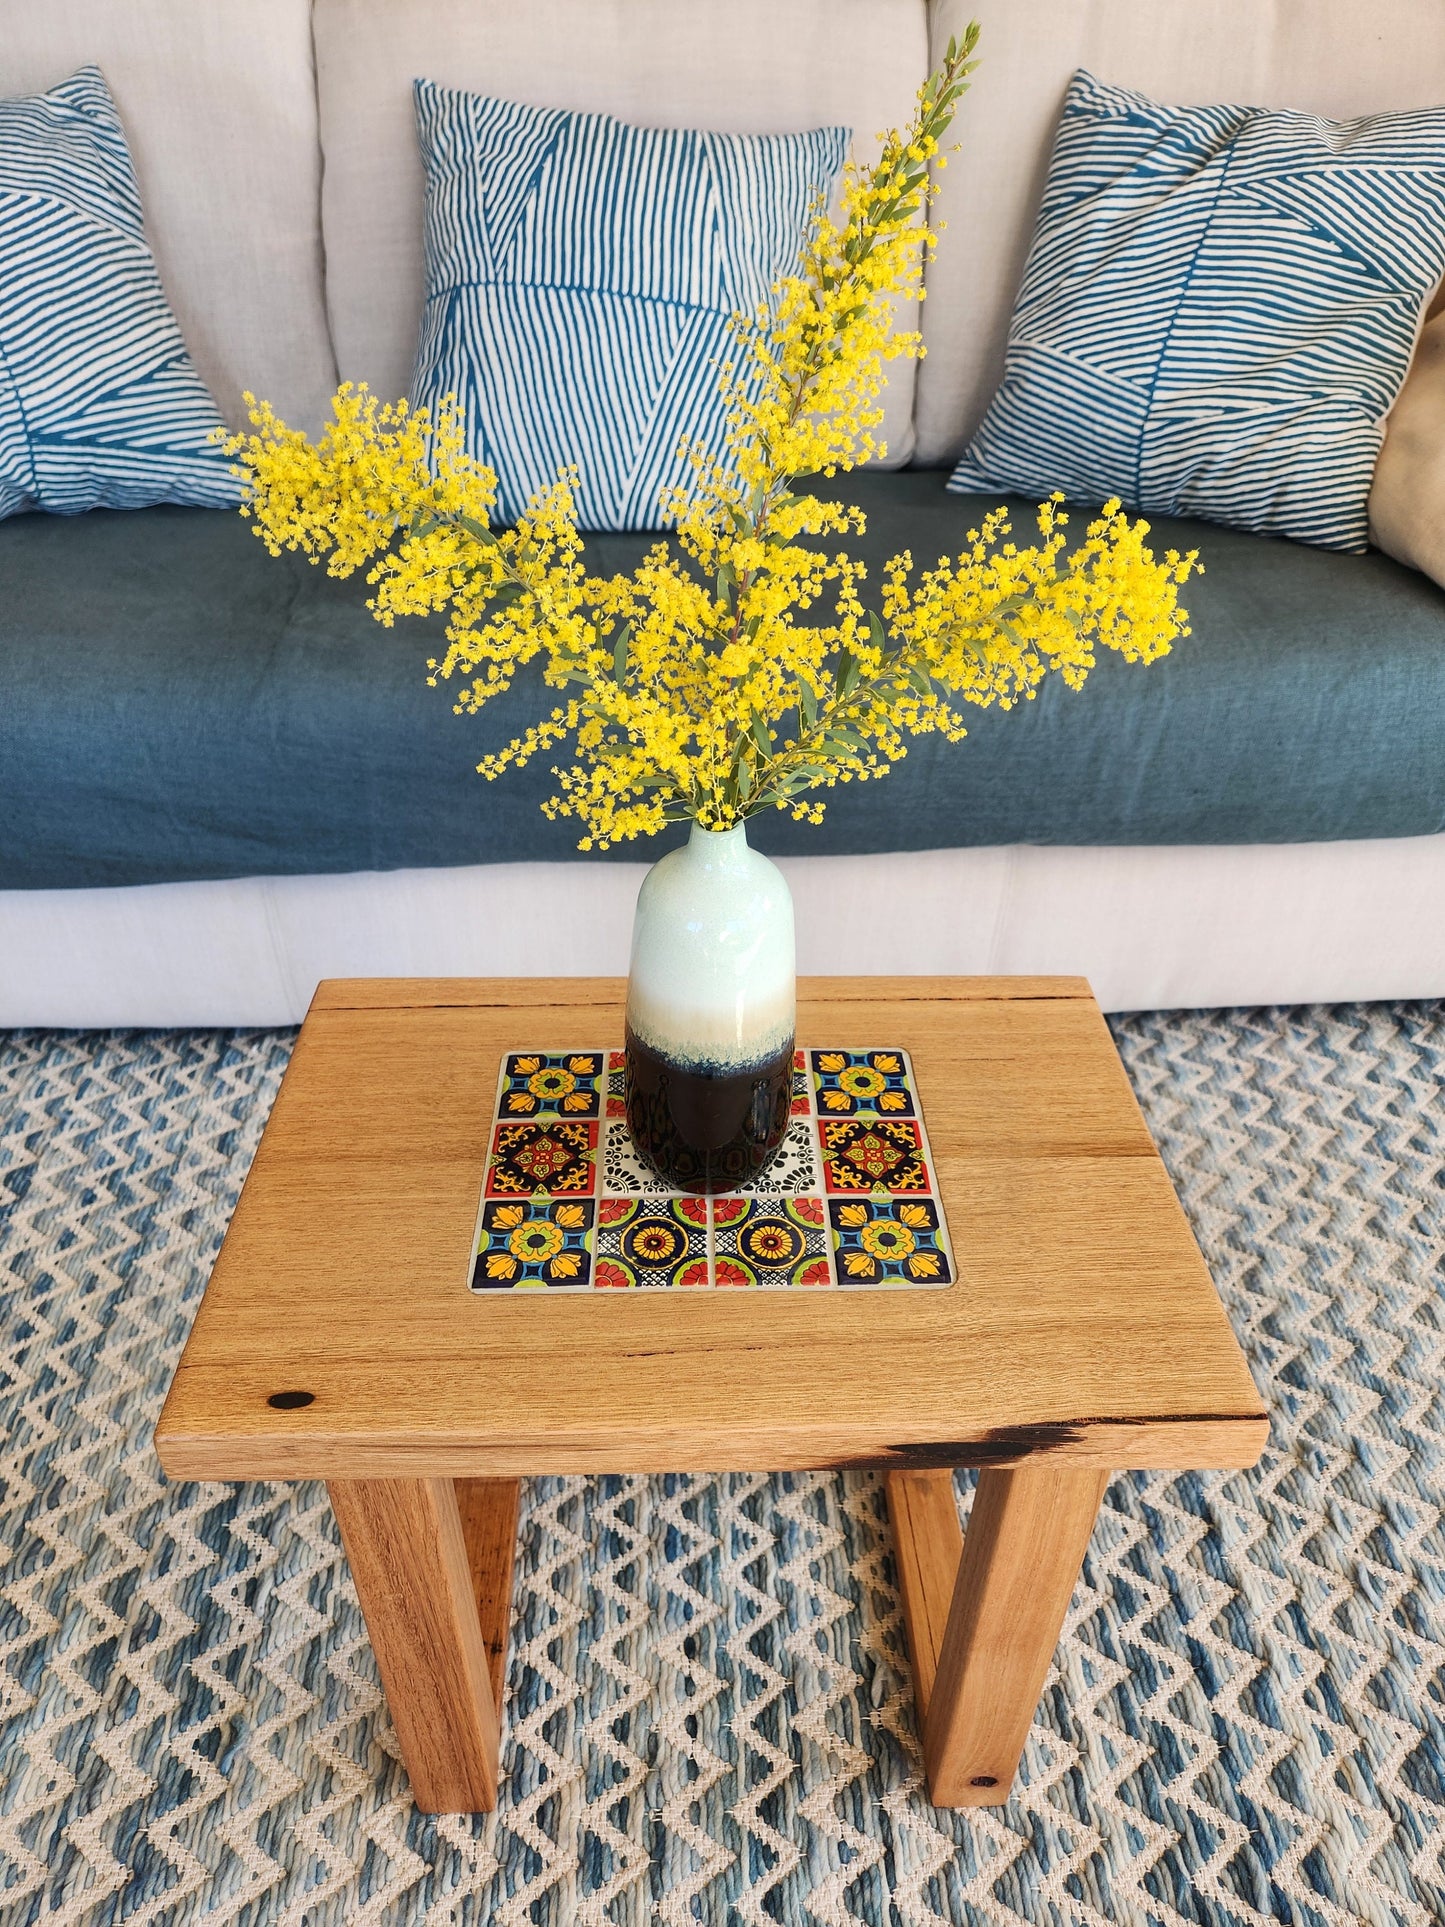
338,1340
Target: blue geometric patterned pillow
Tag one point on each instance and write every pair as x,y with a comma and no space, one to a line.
1218,310
579,278
99,404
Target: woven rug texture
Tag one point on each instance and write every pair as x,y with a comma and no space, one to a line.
709,1716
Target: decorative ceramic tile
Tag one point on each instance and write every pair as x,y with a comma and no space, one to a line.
770,1242
616,1083
802,1105
872,1154
555,1157
652,1244
852,1082
534,1241
849,1200
552,1084
794,1165
889,1241
625,1172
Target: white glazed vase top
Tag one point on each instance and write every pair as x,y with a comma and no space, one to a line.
712,984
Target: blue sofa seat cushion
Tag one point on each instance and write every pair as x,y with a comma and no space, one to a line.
174,703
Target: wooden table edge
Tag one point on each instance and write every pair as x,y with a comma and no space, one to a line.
1206,1442
582,993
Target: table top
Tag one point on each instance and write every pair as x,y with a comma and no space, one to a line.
1083,1323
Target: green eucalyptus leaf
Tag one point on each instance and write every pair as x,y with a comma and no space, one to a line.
807,704
478,531
619,653
745,781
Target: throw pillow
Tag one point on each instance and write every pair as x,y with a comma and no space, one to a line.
1217,312
1407,499
580,274
99,404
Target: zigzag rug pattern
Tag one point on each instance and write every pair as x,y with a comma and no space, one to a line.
709,1715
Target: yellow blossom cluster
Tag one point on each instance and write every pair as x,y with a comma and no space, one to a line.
738,667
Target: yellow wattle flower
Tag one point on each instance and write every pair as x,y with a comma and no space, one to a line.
738,667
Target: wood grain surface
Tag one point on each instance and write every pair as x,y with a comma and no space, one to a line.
488,1510
409,1558
1025,1543
1083,1325
927,1547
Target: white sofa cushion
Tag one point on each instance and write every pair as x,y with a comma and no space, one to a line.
218,104
1320,56
738,66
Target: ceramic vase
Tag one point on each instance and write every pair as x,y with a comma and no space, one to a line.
711,998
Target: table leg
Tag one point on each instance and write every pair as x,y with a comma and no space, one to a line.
984,1617
432,1562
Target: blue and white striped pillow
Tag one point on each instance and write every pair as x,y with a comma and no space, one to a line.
99,404
1218,310
580,274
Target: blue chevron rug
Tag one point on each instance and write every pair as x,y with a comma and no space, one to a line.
709,1717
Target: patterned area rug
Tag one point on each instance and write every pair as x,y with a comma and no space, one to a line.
709,1716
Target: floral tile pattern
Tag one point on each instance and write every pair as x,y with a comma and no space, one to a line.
534,1241
849,1082
552,1084
555,1158
888,1241
873,1154
849,1201
652,1244
769,1242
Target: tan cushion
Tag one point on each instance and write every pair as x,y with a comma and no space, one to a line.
218,102
1321,56
741,66
1407,497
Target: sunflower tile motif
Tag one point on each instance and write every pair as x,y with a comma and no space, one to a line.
552,1156
769,1242
853,1083
892,1241
873,1154
552,1084
652,1245
532,1243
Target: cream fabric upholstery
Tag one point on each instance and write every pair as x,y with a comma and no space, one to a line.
1152,929
1407,501
742,66
219,105
1330,57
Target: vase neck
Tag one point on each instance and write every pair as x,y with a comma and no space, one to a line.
719,849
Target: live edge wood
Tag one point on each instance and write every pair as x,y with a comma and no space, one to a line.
1083,1328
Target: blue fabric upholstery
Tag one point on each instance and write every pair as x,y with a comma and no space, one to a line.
1219,307
175,703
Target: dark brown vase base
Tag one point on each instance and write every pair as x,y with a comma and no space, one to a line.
707,1131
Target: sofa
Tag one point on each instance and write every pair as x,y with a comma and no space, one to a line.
221,781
